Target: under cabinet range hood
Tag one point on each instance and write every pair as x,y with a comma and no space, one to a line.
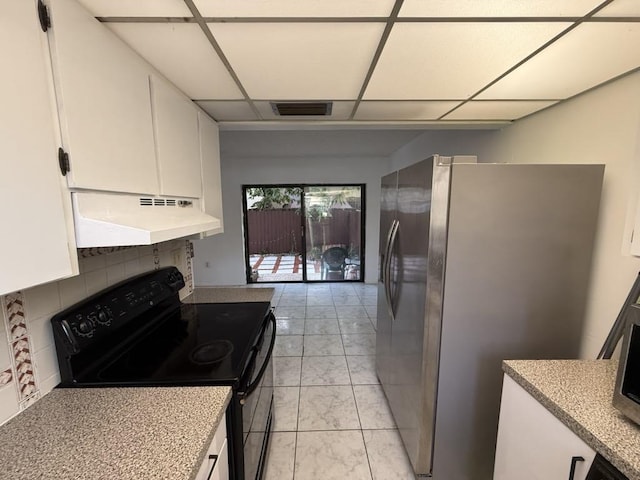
107,219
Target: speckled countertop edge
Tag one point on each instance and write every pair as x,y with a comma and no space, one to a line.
230,295
579,393
123,433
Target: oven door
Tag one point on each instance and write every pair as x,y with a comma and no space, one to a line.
253,402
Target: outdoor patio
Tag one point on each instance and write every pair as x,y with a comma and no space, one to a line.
283,268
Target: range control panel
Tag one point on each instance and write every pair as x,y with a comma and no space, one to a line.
107,311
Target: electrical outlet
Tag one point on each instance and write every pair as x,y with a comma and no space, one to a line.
178,257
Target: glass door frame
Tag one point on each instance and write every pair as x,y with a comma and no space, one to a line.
303,228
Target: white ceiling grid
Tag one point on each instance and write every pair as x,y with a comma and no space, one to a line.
174,48
284,61
427,62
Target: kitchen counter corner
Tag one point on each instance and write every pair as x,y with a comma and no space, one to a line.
230,295
579,394
123,433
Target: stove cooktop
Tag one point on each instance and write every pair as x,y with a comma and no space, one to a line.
138,332
203,344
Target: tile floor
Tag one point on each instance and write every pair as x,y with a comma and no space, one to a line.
331,417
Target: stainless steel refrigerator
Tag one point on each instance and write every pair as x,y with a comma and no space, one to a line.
478,263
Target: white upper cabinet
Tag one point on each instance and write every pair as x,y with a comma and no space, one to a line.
175,121
211,181
35,246
104,104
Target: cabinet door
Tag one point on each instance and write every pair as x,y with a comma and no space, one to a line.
34,246
216,462
175,121
211,179
221,472
104,104
533,444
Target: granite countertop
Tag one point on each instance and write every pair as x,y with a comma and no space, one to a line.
229,295
579,393
113,433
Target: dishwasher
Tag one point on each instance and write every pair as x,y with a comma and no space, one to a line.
601,469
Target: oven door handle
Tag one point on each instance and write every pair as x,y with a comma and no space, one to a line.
250,387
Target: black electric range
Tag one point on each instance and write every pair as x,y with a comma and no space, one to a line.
138,333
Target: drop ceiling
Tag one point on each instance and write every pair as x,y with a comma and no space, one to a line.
443,63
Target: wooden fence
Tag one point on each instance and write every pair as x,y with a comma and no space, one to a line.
280,231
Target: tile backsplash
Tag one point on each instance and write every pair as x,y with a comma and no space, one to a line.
28,363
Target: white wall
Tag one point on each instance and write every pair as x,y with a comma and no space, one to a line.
290,157
447,143
601,126
225,252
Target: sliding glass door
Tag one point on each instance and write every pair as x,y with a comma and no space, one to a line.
333,220
297,233
273,234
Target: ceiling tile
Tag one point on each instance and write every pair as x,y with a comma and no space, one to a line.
587,56
137,8
496,110
224,111
182,53
621,8
295,61
497,8
339,111
407,110
294,8
446,61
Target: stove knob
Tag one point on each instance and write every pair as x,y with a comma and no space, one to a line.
85,327
104,315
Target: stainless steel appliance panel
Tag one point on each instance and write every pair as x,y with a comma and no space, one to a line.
388,202
408,277
518,259
479,263
436,262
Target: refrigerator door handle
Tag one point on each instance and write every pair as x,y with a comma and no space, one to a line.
385,257
392,240
384,274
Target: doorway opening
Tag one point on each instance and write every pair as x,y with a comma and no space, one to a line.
304,233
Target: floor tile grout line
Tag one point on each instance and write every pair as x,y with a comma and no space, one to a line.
298,409
366,451
364,443
295,451
344,430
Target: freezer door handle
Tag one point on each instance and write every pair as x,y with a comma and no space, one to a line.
384,263
393,233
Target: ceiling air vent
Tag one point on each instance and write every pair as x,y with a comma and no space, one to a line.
146,202
300,109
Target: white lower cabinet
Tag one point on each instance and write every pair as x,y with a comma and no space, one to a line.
533,444
216,462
